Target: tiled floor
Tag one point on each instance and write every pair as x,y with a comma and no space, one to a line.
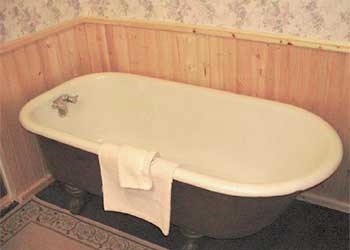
302,226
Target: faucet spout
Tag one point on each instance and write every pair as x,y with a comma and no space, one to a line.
60,103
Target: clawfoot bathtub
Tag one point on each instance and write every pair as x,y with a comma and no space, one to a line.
242,159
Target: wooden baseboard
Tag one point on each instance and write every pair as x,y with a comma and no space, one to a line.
325,202
35,188
5,201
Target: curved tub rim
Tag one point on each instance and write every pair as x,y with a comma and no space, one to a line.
190,177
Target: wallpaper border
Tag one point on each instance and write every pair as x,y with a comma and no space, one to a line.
274,38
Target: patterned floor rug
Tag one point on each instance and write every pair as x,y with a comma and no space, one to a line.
38,225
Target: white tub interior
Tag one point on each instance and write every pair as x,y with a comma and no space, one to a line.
226,143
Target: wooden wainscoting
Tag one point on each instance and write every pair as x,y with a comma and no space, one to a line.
310,74
29,67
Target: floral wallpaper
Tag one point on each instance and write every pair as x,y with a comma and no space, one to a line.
318,19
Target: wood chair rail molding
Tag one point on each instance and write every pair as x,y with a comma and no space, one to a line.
314,75
185,28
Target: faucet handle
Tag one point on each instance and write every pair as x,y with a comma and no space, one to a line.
60,103
72,99
61,107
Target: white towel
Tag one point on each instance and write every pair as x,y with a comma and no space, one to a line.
152,205
134,167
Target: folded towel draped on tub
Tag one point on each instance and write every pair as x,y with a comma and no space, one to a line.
135,167
152,205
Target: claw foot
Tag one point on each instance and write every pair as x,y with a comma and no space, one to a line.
78,198
192,242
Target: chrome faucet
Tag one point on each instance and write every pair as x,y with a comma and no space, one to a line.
60,103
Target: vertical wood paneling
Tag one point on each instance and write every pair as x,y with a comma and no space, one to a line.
230,64
222,62
277,69
144,44
203,61
22,65
346,107
335,98
94,51
69,54
216,62
251,67
135,41
7,159
83,50
151,53
103,47
98,48
118,48
112,47
346,133
22,70
24,73
297,79
21,145
179,51
165,43
52,61
309,78
36,69
188,57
